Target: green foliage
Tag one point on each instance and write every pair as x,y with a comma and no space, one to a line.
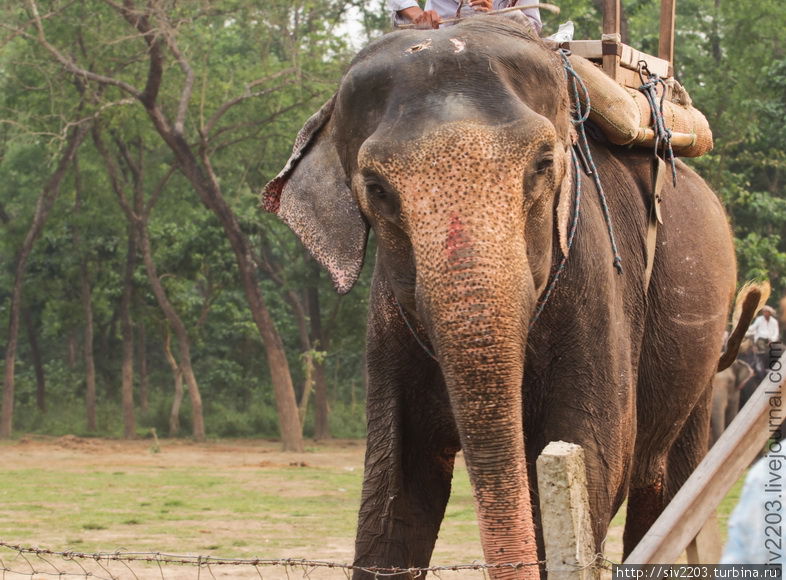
731,58
259,71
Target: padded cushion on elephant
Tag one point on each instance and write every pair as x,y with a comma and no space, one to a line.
624,114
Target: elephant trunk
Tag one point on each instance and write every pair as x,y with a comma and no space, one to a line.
476,296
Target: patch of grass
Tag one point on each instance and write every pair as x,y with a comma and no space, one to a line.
241,508
247,509
727,506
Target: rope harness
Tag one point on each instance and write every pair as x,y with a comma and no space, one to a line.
560,266
580,150
581,115
649,88
428,350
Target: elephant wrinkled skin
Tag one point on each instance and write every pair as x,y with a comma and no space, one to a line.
454,147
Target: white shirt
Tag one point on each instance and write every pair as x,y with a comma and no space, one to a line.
447,9
763,328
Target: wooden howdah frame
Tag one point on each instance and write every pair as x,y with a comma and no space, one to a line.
621,61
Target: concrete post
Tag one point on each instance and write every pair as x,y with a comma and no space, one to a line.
564,512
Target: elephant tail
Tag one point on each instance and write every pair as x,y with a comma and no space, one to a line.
750,299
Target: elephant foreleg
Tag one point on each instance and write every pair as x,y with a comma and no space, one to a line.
646,500
412,442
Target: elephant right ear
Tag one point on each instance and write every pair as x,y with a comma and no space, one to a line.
565,197
312,197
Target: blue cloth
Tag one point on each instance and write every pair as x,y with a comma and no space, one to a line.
756,525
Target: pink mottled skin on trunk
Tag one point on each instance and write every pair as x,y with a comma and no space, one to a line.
459,248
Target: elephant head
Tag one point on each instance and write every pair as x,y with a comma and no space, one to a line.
448,146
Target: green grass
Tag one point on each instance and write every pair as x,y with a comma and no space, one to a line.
265,510
178,510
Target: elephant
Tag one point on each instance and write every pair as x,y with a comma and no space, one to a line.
726,387
454,147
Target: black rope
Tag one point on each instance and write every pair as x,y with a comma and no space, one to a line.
560,267
662,134
581,114
414,332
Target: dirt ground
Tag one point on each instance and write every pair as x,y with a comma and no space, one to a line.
76,455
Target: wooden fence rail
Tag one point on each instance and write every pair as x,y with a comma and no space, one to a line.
698,498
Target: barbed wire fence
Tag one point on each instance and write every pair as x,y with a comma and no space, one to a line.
18,561
38,563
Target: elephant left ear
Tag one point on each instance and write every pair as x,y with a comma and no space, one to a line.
564,205
312,197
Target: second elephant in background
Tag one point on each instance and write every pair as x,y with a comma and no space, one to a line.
726,387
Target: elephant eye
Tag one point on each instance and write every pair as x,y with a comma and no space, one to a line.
382,198
376,192
545,163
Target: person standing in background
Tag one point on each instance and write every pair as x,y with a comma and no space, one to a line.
765,328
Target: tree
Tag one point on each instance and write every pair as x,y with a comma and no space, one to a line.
43,207
164,63
138,215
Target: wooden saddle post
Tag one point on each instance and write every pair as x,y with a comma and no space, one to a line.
614,50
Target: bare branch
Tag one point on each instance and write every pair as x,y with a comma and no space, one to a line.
159,188
21,32
113,171
139,20
70,65
247,95
270,118
188,84
68,124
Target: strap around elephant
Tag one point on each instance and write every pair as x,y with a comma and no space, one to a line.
412,329
662,134
574,221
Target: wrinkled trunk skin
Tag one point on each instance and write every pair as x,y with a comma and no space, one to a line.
475,295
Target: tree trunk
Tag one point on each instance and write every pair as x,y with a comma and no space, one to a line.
174,415
199,173
184,343
144,379
321,404
127,373
283,388
72,349
86,292
38,364
308,386
319,341
90,368
43,207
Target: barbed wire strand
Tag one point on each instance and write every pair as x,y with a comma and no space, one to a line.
160,559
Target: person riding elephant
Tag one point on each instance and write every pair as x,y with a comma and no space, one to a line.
501,316
409,11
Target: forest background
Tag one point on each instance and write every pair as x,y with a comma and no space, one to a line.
142,287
